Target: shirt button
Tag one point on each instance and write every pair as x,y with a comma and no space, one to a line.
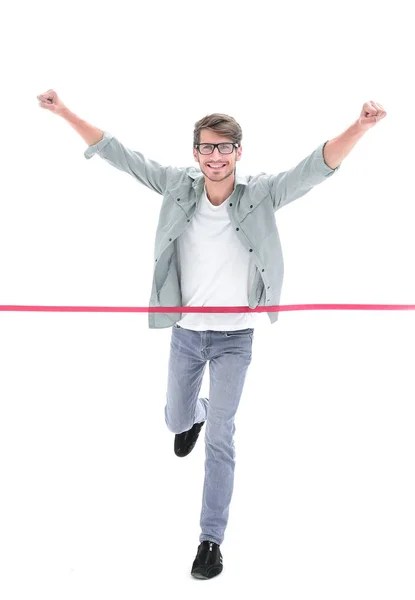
263,270
178,199
188,220
250,249
230,204
169,239
237,229
252,206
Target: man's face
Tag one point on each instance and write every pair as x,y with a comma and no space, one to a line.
216,166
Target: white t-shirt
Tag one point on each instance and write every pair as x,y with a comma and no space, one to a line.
214,270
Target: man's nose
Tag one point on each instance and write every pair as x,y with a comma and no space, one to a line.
216,154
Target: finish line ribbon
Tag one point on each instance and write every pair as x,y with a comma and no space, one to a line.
208,309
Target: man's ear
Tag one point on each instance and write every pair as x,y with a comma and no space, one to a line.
195,155
238,153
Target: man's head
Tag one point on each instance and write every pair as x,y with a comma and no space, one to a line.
217,129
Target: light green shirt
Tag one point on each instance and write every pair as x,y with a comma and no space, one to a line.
251,209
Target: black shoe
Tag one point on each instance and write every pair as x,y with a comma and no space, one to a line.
208,561
185,442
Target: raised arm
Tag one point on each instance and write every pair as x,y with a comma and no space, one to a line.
290,185
148,172
324,161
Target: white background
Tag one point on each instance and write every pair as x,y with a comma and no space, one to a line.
93,502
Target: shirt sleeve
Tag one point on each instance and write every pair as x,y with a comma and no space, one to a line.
148,172
294,183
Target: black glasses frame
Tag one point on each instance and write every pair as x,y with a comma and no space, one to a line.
197,146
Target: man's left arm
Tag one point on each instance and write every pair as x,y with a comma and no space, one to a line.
324,161
336,150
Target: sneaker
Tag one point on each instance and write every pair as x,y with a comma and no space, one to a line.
185,442
208,561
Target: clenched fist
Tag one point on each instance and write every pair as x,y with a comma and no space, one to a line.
51,101
372,113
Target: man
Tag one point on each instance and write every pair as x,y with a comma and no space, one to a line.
216,244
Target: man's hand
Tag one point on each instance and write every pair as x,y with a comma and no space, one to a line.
372,113
336,150
51,101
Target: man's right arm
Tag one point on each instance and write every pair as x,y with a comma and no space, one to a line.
91,135
148,172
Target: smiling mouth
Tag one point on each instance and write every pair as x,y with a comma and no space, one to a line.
216,167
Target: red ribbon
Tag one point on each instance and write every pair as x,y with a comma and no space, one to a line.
208,309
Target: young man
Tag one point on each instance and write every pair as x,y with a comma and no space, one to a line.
216,244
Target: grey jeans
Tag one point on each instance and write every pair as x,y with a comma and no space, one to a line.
229,354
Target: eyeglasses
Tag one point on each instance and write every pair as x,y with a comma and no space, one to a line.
223,147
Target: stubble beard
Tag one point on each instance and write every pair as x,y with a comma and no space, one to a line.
228,174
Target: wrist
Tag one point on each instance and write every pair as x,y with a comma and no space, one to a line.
64,112
358,129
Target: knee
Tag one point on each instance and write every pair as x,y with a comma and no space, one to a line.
176,425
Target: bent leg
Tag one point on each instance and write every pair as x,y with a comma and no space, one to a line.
185,374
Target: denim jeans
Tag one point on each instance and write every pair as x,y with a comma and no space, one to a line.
229,354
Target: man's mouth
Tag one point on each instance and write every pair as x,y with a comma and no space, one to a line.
215,166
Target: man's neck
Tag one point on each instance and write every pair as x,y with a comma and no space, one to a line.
218,192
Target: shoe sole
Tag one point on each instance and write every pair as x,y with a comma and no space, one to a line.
198,575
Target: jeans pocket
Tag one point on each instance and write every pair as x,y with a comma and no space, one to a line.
239,332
